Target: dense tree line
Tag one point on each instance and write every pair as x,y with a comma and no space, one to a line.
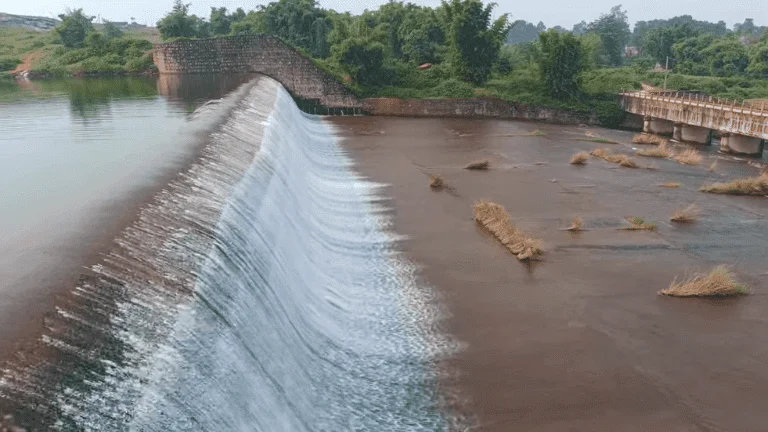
385,51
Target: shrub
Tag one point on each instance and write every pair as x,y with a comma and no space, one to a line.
9,63
453,89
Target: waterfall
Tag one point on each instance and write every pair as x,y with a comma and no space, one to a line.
260,291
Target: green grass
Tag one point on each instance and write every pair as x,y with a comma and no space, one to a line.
17,43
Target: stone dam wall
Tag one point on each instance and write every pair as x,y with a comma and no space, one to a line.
317,92
266,55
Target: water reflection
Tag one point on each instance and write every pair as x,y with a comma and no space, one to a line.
190,91
90,97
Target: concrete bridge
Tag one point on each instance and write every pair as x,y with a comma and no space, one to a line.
693,118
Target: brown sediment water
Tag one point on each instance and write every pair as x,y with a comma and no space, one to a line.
579,341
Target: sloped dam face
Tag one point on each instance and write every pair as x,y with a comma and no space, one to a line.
259,291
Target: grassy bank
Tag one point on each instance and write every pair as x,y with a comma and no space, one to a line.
42,53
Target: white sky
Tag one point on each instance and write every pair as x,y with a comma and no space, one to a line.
552,12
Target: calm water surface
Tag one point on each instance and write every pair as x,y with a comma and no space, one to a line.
76,157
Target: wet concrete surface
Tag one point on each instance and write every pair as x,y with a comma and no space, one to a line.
579,341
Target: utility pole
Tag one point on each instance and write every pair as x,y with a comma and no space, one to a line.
666,73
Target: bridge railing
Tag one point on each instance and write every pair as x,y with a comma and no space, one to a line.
701,100
725,115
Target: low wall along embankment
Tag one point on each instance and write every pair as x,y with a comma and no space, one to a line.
317,92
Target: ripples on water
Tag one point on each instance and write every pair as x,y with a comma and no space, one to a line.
258,292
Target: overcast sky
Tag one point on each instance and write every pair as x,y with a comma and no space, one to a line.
551,12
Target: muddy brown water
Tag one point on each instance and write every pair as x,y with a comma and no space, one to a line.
579,341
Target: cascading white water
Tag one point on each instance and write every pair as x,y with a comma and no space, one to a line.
261,292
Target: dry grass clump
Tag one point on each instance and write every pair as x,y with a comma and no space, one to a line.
720,282
436,182
687,215
713,167
670,185
660,151
639,224
537,133
580,158
748,186
689,157
620,159
495,219
651,139
576,225
478,165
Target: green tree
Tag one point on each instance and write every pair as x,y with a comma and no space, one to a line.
111,31
473,40
689,57
300,23
758,59
74,28
179,23
221,22
613,29
363,60
726,57
252,23
422,36
659,41
561,63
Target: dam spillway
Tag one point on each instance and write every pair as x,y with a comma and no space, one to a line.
259,291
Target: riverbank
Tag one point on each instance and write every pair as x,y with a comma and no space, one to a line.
581,340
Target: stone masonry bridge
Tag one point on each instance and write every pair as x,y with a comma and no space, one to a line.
691,117
262,54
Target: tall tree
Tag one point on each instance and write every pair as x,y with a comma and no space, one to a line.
659,41
473,39
74,28
296,22
613,29
560,63
179,23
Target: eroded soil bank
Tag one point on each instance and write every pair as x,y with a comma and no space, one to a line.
581,340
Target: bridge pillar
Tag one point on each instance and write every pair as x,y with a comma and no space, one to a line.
677,132
695,134
740,144
658,126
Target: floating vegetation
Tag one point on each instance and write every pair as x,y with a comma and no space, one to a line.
478,165
436,182
661,151
748,186
496,220
576,225
580,158
620,159
639,224
687,215
650,139
720,282
689,157
670,185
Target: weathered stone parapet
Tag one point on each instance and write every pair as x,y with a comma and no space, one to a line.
473,107
262,54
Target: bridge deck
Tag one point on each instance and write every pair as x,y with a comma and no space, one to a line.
699,110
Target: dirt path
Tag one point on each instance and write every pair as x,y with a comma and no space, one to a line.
28,62
579,341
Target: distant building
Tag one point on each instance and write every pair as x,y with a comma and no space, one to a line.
631,52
